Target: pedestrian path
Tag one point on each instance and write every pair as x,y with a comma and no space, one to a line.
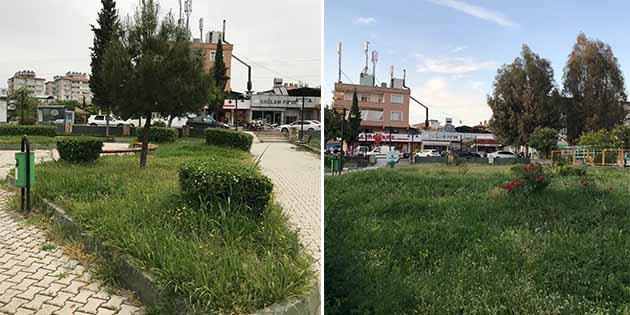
36,277
296,177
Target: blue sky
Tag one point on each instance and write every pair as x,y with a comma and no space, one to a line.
452,48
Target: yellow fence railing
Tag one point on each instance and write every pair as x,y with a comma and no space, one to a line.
592,156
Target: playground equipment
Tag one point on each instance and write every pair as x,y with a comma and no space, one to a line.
587,155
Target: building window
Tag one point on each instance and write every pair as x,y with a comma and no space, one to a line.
365,98
396,116
397,99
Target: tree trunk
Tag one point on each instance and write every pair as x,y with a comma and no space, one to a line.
170,120
145,143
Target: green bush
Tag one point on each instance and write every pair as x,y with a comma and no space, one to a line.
210,181
568,170
159,134
19,130
229,138
80,149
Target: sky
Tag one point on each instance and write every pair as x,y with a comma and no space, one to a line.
453,48
279,38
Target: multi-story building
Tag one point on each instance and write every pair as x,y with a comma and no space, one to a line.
27,79
73,86
208,49
381,107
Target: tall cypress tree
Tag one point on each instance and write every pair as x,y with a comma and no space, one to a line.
354,119
219,72
108,25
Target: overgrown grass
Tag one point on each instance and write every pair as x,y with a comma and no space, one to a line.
433,239
208,260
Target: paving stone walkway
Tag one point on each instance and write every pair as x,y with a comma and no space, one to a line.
38,278
296,177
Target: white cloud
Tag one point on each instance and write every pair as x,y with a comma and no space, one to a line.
456,66
458,49
477,11
465,101
364,20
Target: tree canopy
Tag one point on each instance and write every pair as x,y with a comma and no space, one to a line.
151,68
594,86
524,98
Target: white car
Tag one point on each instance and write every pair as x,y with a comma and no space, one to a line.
428,153
502,155
99,120
309,125
381,152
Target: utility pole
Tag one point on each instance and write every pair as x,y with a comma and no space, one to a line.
339,52
302,124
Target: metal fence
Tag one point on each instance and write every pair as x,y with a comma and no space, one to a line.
591,156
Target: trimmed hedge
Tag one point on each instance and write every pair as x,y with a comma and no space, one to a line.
159,134
212,181
229,138
20,130
80,149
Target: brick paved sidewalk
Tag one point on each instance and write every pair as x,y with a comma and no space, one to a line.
36,281
296,177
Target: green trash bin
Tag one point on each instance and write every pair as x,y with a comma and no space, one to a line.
20,169
335,166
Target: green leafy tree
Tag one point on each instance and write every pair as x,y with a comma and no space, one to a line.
621,136
331,124
594,85
108,27
600,139
140,71
25,106
188,86
544,140
354,120
524,99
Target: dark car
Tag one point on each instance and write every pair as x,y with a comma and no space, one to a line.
203,122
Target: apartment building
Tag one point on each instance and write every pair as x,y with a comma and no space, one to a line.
73,86
27,79
208,48
381,107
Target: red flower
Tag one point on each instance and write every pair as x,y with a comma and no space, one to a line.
583,182
508,186
516,184
541,177
525,168
532,166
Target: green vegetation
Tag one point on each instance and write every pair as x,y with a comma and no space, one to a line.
433,239
229,138
212,259
80,149
161,135
16,130
211,180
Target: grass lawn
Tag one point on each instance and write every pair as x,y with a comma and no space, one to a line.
436,239
210,261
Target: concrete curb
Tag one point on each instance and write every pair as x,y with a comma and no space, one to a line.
303,146
143,284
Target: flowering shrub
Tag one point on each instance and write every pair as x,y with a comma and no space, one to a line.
532,178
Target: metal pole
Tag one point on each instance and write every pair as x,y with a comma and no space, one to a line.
28,174
236,114
390,138
22,189
302,122
343,119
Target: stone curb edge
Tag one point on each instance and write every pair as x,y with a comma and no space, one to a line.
142,283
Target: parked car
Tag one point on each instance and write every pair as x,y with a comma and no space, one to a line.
332,148
502,155
404,154
99,120
428,153
309,125
203,122
361,150
381,152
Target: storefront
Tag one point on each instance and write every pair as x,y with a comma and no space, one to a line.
432,140
234,109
